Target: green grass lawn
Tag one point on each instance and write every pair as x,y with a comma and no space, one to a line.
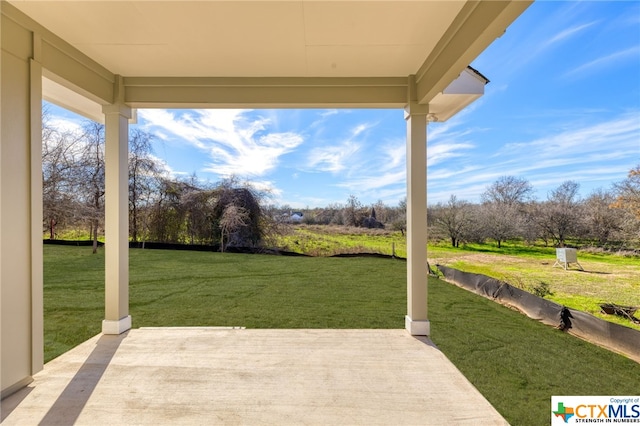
607,278
517,363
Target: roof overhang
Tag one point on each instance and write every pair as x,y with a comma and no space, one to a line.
285,54
462,91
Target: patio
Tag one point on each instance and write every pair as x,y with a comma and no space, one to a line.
250,376
104,60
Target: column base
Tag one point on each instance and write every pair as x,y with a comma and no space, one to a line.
418,327
116,327
15,387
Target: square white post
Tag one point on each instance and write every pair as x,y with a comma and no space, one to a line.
416,321
117,319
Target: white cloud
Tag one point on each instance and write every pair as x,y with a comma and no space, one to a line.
236,143
361,128
266,187
165,168
617,137
605,61
442,152
395,155
565,34
325,116
65,125
329,112
374,181
588,154
251,156
334,158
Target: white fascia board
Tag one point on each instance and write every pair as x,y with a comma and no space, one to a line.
467,83
463,91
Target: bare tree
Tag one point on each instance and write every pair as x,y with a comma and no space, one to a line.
91,177
231,192
353,212
628,193
530,230
399,218
144,174
383,212
628,199
601,220
559,217
500,222
59,162
166,215
198,204
233,219
508,190
503,208
453,218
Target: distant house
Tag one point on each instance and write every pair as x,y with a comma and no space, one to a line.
296,217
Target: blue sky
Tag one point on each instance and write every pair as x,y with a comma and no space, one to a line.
563,104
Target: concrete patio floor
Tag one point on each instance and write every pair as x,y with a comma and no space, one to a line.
206,375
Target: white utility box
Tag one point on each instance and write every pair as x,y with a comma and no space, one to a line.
566,256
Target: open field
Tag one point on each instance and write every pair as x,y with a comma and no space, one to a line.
322,240
607,278
515,362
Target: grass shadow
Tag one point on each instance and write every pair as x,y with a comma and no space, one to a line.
596,272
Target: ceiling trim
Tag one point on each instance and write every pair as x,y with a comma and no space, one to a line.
271,92
61,61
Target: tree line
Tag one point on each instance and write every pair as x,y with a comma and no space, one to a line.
508,211
163,208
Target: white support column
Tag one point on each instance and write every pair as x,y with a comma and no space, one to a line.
117,319
37,270
416,321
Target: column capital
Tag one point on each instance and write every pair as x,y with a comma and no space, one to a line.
415,108
119,109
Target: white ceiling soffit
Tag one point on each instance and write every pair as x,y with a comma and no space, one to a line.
250,38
